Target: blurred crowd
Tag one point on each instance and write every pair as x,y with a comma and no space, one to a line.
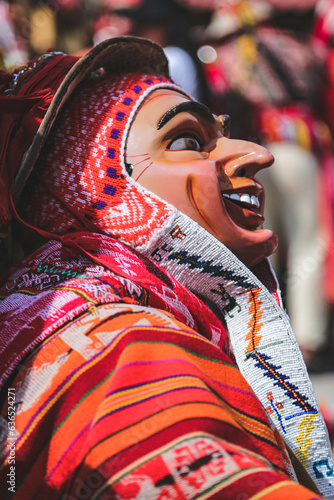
270,65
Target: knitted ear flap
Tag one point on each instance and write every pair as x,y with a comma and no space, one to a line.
84,182
31,98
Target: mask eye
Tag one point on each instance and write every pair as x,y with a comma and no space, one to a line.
185,143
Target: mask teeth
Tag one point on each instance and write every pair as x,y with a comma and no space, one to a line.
244,198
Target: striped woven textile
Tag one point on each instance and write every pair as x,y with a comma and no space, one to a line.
132,393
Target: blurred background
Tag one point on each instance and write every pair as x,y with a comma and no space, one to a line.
270,65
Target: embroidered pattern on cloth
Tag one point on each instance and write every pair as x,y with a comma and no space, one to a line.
54,285
266,351
176,386
129,343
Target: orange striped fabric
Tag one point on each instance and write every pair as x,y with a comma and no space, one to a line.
125,400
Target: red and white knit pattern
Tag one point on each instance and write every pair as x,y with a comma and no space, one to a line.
83,169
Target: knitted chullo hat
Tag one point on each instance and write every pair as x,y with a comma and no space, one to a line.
31,100
83,183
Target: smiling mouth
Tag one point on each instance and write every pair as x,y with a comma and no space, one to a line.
244,209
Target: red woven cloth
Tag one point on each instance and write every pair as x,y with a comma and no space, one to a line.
124,386
37,301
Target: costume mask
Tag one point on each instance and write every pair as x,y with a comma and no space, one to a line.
177,150
180,151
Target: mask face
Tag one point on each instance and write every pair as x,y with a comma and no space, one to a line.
180,151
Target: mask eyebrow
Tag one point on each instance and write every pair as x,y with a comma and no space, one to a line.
193,107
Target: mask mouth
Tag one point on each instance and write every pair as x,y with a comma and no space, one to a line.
236,221
245,206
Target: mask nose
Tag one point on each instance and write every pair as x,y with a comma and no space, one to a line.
236,158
